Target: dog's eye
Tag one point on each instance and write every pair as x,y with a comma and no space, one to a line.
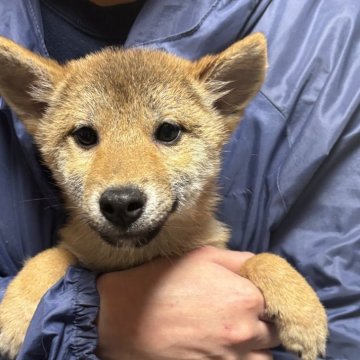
168,133
85,136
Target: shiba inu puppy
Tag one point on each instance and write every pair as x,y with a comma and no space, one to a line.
133,139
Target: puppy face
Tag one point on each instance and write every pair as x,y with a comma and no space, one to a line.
133,144
133,137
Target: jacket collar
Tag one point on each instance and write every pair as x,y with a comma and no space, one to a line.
173,25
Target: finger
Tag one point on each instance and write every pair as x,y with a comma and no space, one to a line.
258,355
232,260
266,336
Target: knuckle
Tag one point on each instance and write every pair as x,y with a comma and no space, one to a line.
252,299
243,334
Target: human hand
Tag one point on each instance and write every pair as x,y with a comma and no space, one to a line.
193,307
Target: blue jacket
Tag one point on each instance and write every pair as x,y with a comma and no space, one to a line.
291,172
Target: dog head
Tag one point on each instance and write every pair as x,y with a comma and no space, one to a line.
133,137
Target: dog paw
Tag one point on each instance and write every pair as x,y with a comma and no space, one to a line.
304,331
11,338
15,317
291,304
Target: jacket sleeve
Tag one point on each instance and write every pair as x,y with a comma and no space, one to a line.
63,326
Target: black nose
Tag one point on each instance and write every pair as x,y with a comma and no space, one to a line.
122,206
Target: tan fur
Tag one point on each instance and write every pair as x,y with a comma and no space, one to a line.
125,95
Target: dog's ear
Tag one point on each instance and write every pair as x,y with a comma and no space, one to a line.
27,81
235,75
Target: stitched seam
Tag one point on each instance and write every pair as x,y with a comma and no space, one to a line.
38,31
274,105
185,33
244,29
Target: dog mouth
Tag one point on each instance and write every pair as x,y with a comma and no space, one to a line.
135,239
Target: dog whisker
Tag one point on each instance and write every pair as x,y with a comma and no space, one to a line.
40,199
